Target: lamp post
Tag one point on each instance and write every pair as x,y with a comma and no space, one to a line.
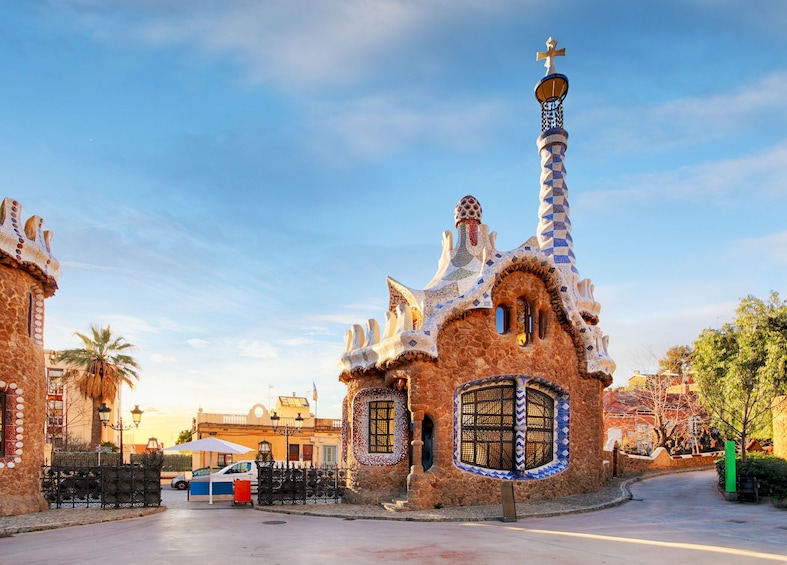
103,415
286,431
264,452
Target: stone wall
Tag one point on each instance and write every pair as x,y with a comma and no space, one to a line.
23,380
469,349
660,459
367,484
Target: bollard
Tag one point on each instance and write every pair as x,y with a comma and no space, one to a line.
730,482
507,498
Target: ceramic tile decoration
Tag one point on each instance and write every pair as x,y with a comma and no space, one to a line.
360,427
523,317
28,275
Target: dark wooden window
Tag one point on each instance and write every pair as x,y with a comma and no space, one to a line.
381,426
308,452
539,446
295,452
488,427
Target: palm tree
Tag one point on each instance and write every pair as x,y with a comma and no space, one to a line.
99,370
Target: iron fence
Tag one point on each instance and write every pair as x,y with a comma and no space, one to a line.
115,485
282,484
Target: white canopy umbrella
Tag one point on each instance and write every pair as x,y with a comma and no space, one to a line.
212,445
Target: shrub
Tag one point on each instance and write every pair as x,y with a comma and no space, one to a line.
770,471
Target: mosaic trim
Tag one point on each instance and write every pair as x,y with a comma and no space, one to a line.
360,429
14,418
554,226
28,244
424,341
37,316
345,430
561,446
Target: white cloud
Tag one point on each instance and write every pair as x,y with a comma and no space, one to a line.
377,126
296,341
256,349
160,358
197,343
289,43
286,42
724,180
689,121
772,247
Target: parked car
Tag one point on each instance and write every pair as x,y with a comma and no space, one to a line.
182,483
245,470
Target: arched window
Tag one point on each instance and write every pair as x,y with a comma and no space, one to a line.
542,324
540,423
524,322
488,426
510,424
503,319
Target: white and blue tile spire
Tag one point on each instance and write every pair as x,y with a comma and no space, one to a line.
470,266
554,224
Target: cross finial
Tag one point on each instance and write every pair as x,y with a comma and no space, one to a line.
550,55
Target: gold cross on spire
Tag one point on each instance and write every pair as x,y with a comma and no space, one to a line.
550,55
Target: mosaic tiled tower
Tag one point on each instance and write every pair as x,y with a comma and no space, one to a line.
554,226
28,274
497,365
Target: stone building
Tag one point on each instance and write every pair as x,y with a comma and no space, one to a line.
28,274
494,371
309,441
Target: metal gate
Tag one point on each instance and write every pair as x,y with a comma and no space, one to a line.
283,484
136,484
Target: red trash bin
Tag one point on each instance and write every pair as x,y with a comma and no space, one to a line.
241,492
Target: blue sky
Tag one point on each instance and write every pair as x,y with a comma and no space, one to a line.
229,183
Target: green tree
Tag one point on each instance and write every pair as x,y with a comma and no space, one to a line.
741,367
99,369
184,436
676,360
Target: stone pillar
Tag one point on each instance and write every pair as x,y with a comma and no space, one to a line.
417,443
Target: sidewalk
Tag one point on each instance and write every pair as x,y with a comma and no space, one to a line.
615,492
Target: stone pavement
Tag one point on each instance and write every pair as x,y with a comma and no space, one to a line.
614,492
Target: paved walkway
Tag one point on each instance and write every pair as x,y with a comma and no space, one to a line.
678,518
614,493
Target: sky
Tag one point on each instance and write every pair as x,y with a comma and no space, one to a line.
229,184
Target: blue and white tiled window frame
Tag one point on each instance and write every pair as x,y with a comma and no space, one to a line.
562,420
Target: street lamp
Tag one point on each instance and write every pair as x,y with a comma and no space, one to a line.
103,415
152,446
286,431
264,452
